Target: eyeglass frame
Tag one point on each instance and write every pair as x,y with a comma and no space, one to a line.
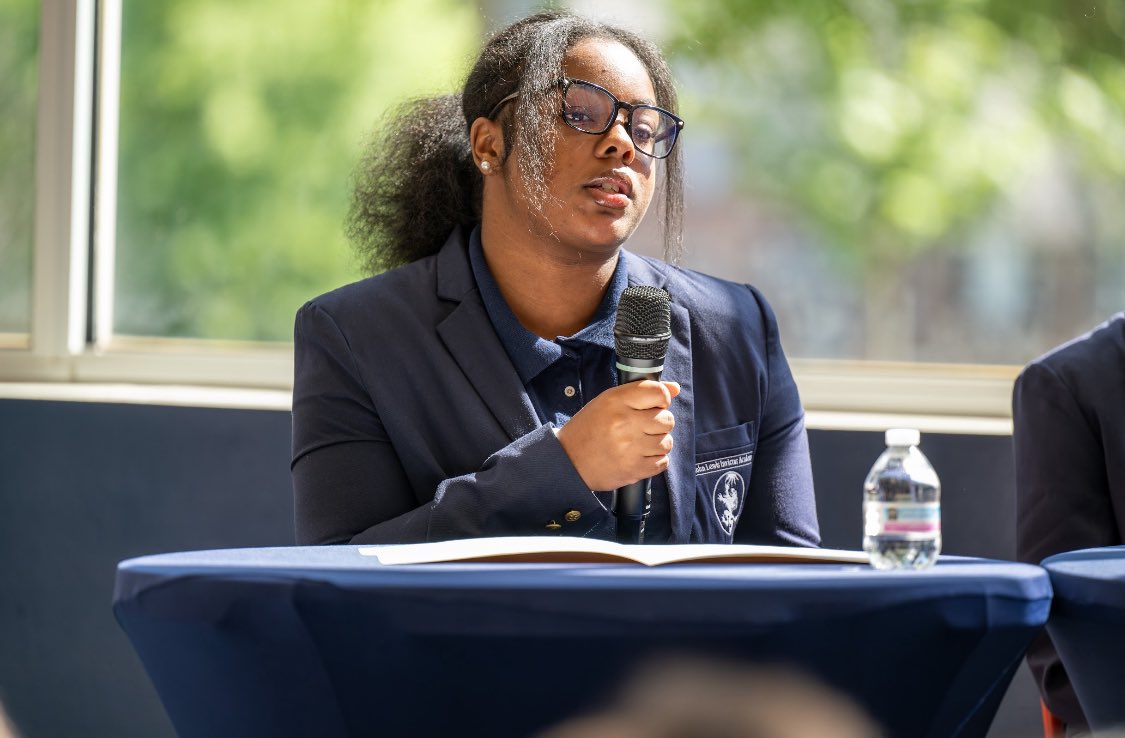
618,105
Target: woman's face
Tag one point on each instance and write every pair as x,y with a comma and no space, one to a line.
598,186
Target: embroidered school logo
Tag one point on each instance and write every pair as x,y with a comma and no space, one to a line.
730,490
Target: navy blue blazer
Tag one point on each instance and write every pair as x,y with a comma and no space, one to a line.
411,424
1068,409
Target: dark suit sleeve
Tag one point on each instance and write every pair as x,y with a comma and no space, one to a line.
349,482
783,504
1062,498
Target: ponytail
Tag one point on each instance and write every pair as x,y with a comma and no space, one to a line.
415,184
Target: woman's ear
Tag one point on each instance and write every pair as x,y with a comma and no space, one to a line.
486,141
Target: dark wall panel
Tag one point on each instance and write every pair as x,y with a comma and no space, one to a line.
83,486
977,489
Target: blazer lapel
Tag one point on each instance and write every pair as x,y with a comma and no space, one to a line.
468,335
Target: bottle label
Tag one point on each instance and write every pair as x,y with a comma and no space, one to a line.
902,520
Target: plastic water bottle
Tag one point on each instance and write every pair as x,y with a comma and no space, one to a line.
902,506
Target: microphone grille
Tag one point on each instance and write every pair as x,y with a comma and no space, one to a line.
644,323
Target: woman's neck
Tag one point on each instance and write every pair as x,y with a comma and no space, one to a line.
553,291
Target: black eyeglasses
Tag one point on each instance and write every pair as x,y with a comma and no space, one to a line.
590,108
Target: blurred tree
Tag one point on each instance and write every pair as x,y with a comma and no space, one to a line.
891,122
240,124
19,80
886,129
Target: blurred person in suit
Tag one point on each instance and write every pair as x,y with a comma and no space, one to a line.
1068,412
471,389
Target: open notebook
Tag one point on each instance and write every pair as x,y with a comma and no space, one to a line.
564,549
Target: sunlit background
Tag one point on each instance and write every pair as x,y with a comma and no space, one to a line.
916,181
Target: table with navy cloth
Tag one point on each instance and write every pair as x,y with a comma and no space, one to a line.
323,641
1087,626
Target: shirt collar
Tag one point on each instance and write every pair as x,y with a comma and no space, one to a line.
529,353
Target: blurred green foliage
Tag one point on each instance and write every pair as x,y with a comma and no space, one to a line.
240,125
19,79
885,131
889,127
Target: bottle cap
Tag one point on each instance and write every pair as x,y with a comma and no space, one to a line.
902,436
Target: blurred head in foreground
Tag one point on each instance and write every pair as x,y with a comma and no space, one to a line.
695,698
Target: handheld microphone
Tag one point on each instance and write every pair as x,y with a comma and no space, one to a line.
641,333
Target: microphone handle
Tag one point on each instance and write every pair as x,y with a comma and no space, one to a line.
630,507
631,503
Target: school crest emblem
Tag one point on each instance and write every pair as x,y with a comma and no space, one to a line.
727,499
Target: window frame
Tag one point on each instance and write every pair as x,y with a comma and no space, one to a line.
71,338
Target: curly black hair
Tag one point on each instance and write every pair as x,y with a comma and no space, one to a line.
417,179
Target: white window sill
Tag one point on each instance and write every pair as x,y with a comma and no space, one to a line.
836,395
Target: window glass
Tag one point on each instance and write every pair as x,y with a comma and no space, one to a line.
931,181
19,81
240,124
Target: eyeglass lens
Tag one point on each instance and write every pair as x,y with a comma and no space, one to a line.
592,110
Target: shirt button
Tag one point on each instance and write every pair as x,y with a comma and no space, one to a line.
572,516
569,391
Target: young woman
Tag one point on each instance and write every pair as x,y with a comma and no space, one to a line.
470,390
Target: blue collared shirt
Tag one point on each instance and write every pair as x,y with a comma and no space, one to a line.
561,376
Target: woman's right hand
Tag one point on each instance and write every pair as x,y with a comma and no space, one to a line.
623,435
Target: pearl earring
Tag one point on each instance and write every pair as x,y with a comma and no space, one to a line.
485,166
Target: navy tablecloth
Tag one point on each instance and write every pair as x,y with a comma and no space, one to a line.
1087,626
326,642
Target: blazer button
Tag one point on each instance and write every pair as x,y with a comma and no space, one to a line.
573,515
553,525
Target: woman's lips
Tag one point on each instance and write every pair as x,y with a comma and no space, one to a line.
610,192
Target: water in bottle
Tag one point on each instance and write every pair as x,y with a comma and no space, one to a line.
902,506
